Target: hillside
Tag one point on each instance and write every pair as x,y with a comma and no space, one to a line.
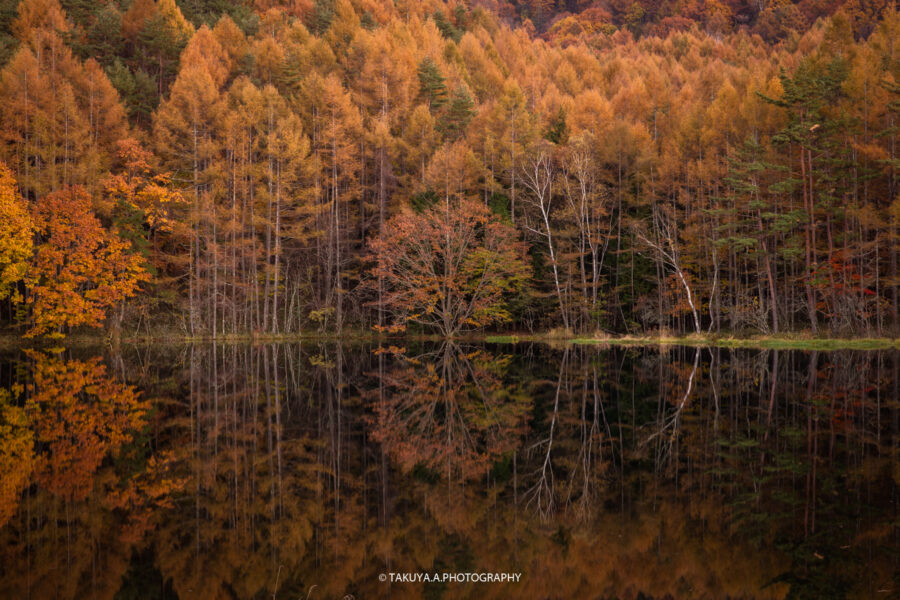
225,168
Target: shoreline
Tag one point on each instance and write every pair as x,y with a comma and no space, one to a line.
762,342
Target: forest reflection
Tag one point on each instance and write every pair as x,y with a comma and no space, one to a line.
295,471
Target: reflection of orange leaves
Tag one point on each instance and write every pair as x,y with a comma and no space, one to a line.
393,350
80,415
16,455
393,328
449,412
147,492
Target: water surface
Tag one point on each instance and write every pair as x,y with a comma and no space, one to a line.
306,471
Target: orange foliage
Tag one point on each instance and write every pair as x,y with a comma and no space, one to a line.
60,116
451,414
450,267
81,415
137,186
16,453
80,270
15,235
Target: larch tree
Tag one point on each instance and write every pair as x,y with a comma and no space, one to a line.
60,117
629,113
185,130
513,130
335,126
384,89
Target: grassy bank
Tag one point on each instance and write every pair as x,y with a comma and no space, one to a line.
780,342
10,340
761,342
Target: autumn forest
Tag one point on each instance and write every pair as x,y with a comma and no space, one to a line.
296,294
206,168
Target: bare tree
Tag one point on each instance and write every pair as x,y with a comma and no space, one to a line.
665,245
587,201
538,173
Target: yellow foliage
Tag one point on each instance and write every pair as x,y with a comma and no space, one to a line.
16,231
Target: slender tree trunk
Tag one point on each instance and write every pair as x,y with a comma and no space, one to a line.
809,239
277,247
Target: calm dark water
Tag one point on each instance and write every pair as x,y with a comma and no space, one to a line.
289,471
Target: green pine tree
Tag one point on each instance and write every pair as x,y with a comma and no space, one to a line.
458,115
557,131
431,84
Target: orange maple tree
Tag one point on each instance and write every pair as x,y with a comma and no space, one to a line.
80,269
451,267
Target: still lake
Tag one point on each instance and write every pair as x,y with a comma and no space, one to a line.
315,470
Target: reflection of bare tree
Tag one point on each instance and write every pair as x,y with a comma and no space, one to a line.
669,424
541,494
590,450
449,411
568,462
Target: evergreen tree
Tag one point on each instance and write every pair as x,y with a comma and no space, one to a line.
446,27
322,16
8,42
432,88
458,115
102,39
557,130
161,39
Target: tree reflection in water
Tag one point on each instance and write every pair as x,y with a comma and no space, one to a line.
448,411
250,472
